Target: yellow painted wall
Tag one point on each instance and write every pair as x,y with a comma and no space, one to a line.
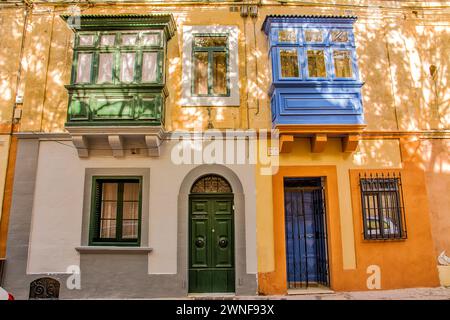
11,30
395,50
11,33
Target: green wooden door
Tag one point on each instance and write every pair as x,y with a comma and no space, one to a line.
211,244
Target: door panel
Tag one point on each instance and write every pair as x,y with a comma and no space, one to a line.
199,252
223,253
200,207
211,265
306,257
222,207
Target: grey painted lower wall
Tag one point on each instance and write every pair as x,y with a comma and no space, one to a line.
15,279
113,275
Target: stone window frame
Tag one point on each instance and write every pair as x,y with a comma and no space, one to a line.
190,100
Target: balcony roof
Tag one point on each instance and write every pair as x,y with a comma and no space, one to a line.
288,18
97,22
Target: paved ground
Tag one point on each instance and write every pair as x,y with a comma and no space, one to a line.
399,294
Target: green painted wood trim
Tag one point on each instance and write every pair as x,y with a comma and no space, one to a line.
130,108
94,217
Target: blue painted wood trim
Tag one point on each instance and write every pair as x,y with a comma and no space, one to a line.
313,101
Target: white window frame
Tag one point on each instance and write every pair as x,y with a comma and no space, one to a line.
187,98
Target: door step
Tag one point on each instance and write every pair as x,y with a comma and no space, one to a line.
310,291
212,296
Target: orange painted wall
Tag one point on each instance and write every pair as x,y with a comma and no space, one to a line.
403,263
408,263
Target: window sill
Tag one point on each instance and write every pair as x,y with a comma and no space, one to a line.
113,249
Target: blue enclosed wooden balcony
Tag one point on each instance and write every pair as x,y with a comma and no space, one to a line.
315,90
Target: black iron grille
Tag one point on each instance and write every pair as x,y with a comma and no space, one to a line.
306,233
382,206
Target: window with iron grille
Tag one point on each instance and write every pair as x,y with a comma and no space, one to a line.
382,207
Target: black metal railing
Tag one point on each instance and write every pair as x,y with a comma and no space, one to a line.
382,206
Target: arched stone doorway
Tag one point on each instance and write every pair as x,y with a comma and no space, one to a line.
211,236
245,283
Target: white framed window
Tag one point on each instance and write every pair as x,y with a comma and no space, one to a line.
229,96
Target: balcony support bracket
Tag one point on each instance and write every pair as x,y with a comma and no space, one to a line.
350,143
286,143
121,140
117,145
153,144
81,144
318,142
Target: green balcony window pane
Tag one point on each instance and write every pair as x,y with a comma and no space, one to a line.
342,64
127,64
129,39
219,73
107,40
150,39
210,41
105,67
201,73
84,68
314,36
86,40
149,66
289,63
316,64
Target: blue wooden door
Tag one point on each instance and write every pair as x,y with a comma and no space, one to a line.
306,257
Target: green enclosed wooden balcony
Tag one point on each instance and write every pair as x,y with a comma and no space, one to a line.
117,87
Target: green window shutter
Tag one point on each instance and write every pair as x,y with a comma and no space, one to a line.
96,205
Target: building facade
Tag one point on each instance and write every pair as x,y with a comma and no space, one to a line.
169,149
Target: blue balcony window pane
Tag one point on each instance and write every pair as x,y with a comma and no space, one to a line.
339,36
289,63
287,36
316,64
314,36
342,64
